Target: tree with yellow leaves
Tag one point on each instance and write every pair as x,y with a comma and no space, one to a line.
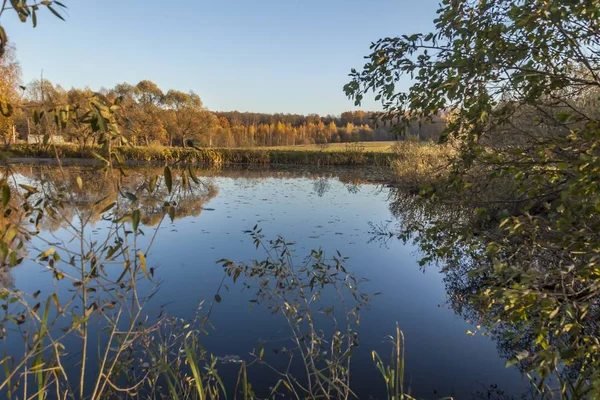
10,76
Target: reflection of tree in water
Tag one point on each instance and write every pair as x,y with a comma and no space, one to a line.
321,186
79,195
469,274
353,187
186,201
351,182
12,217
99,188
6,279
98,191
248,177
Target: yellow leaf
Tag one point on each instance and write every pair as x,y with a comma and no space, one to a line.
10,234
142,258
48,253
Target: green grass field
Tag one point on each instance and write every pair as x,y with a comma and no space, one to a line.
379,147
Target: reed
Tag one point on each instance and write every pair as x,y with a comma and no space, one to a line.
348,156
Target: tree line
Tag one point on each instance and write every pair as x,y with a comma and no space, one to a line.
151,116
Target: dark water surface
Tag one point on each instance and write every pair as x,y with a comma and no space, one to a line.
331,209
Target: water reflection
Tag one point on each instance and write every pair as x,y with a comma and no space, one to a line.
330,209
470,276
98,190
321,186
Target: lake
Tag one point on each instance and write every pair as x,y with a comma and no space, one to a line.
333,209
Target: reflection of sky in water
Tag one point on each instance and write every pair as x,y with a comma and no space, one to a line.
328,214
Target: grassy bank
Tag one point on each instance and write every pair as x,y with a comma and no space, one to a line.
416,164
378,147
356,155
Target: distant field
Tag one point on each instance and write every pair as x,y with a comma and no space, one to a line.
380,147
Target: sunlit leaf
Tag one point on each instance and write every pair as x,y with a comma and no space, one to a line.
47,253
143,266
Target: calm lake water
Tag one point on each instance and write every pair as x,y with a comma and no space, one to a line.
331,209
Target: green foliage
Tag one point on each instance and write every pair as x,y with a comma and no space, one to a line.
521,100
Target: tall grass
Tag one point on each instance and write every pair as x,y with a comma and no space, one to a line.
416,164
211,156
393,373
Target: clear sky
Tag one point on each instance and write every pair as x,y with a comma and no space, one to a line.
289,56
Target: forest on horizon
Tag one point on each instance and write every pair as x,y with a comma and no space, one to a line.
153,116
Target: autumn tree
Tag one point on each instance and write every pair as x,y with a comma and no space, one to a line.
188,120
10,75
44,93
42,101
332,132
145,113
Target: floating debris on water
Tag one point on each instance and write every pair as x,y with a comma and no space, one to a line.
230,359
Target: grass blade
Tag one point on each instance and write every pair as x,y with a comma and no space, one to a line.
195,371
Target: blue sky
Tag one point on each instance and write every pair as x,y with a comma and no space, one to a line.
265,55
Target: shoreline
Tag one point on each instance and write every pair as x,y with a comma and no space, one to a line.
148,155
